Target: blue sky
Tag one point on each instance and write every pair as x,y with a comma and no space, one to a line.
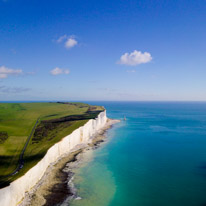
103,50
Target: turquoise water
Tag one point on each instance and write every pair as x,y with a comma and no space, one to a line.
157,157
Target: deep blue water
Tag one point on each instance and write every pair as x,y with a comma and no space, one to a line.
157,157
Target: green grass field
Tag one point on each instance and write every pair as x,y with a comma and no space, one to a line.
17,120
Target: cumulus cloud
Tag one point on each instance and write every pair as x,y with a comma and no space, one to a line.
134,58
70,42
57,71
5,72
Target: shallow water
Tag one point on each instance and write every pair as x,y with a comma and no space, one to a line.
157,157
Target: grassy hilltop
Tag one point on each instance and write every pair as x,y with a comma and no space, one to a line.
40,125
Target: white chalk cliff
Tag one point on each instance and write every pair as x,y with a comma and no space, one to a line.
15,192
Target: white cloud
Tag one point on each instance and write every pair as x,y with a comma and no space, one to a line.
135,58
61,38
57,71
5,72
70,42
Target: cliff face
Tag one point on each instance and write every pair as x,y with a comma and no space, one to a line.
13,194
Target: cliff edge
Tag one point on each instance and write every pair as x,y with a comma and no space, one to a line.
15,192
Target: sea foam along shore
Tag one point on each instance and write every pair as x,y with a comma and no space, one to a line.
56,186
15,192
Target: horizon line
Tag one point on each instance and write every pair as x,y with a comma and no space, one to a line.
35,101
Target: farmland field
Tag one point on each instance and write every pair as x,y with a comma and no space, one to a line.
35,127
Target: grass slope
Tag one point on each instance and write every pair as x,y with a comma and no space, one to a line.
17,120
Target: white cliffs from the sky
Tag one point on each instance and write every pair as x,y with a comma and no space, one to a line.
15,192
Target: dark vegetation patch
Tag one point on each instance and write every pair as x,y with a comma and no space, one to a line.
80,105
94,110
87,115
3,137
48,129
4,183
4,161
52,115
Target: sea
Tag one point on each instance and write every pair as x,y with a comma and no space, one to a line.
157,157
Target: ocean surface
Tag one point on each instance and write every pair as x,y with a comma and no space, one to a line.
157,157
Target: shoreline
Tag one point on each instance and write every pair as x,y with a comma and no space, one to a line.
56,187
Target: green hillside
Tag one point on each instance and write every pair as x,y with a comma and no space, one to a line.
35,127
